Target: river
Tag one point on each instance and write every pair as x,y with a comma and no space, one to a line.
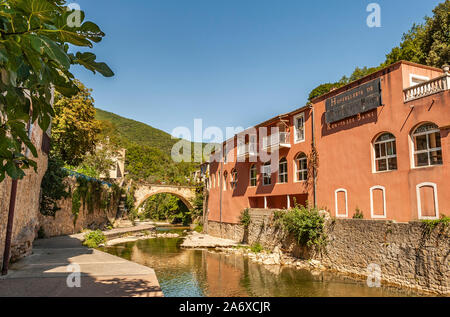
199,273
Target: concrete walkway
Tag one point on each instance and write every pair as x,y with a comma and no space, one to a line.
46,271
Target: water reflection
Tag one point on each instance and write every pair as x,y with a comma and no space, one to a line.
196,273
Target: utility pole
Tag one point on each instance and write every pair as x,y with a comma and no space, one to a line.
9,227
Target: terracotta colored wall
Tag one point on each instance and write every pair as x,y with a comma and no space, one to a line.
346,156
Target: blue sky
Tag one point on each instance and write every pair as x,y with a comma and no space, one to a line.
233,62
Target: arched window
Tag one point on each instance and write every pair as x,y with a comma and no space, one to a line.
225,180
385,153
267,174
301,167
234,178
283,171
427,145
253,175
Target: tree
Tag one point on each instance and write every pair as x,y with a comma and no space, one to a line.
74,127
35,36
427,43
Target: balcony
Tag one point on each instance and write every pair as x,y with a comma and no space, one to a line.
247,150
427,88
277,140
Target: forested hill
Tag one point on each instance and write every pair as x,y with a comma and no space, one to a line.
129,130
148,149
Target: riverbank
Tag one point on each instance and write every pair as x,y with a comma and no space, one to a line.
55,262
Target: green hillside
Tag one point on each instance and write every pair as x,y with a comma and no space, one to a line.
132,131
148,149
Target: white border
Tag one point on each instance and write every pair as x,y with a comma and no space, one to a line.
384,203
250,175
336,202
296,141
419,203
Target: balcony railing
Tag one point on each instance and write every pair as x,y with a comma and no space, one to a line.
247,149
280,139
427,88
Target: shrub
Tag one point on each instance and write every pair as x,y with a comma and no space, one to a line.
358,214
245,218
198,228
306,224
431,224
256,248
94,238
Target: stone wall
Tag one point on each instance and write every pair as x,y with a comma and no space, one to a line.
27,205
407,253
64,221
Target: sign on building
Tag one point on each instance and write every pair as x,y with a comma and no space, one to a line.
355,101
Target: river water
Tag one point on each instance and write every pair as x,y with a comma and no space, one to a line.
198,273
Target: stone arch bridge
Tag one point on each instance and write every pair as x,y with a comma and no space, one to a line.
144,191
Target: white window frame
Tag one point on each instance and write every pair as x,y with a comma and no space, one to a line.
422,79
256,176
296,140
296,170
386,157
428,150
336,203
419,202
264,167
284,174
384,203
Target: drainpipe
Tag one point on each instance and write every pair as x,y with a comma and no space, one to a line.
220,189
313,145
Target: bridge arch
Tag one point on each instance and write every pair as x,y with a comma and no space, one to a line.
185,193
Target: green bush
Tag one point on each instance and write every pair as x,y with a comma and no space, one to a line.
306,224
256,248
198,228
245,218
358,214
94,238
431,224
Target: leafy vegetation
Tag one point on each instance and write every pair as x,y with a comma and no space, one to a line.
93,239
430,225
74,128
256,248
166,207
306,224
427,43
35,61
245,218
358,214
52,187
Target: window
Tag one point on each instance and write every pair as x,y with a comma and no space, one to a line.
267,174
378,202
427,145
283,171
218,180
341,202
301,167
233,179
385,153
427,201
299,126
253,175
225,180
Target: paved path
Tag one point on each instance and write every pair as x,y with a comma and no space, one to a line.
45,273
